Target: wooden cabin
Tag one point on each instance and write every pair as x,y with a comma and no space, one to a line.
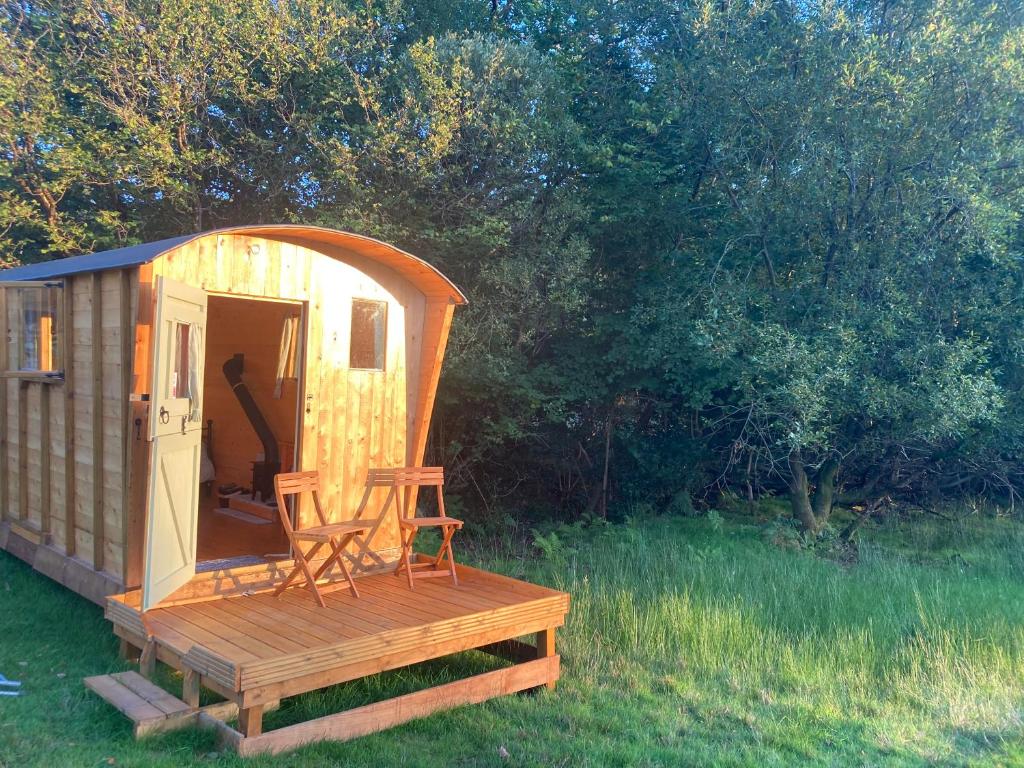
342,339
151,393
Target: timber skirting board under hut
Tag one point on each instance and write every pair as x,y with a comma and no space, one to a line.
256,649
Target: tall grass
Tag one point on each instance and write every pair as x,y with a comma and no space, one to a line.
689,642
915,645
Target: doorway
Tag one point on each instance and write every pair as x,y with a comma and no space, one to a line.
251,427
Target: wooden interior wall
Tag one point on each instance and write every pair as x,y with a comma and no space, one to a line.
351,420
254,329
65,449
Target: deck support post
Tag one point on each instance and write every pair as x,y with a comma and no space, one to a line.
190,688
147,661
128,651
250,720
546,647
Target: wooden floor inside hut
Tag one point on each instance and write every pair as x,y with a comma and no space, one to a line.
255,649
227,533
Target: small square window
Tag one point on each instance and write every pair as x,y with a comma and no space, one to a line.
34,324
369,320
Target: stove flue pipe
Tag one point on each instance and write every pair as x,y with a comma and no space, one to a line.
233,369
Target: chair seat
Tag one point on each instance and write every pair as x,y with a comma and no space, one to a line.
421,522
325,532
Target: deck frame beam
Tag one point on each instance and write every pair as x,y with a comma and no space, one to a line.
382,715
233,650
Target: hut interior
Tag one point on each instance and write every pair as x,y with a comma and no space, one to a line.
250,401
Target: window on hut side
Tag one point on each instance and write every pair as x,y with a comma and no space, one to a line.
366,350
35,336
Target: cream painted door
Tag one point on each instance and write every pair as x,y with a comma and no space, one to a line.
175,429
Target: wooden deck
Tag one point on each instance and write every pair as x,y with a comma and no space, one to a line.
256,649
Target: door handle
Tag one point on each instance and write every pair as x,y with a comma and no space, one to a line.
184,421
165,415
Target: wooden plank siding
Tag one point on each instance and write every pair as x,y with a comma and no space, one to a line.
68,415
350,419
3,414
96,366
79,343
138,469
10,450
23,480
112,420
73,468
64,478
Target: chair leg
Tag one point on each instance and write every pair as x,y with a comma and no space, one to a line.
338,557
402,562
409,555
446,547
335,557
447,532
297,569
344,567
311,580
303,565
439,557
406,559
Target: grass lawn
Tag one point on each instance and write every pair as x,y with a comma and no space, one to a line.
689,642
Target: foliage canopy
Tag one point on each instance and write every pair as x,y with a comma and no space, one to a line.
765,244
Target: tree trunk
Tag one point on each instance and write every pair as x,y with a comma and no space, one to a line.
799,496
824,491
750,484
608,426
813,511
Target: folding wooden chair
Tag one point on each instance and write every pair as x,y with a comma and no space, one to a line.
335,535
409,525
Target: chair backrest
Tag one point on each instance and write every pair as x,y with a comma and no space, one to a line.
401,476
295,484
405,478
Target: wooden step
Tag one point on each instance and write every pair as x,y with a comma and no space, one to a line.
148,706
244,503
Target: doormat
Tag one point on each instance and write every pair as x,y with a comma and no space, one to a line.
229,562
245,517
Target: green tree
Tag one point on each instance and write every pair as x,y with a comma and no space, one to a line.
856,183
772,243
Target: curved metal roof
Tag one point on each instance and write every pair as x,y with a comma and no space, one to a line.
421,274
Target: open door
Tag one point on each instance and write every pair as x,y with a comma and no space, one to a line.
175,429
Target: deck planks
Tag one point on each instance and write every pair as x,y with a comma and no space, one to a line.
261,641
255,649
